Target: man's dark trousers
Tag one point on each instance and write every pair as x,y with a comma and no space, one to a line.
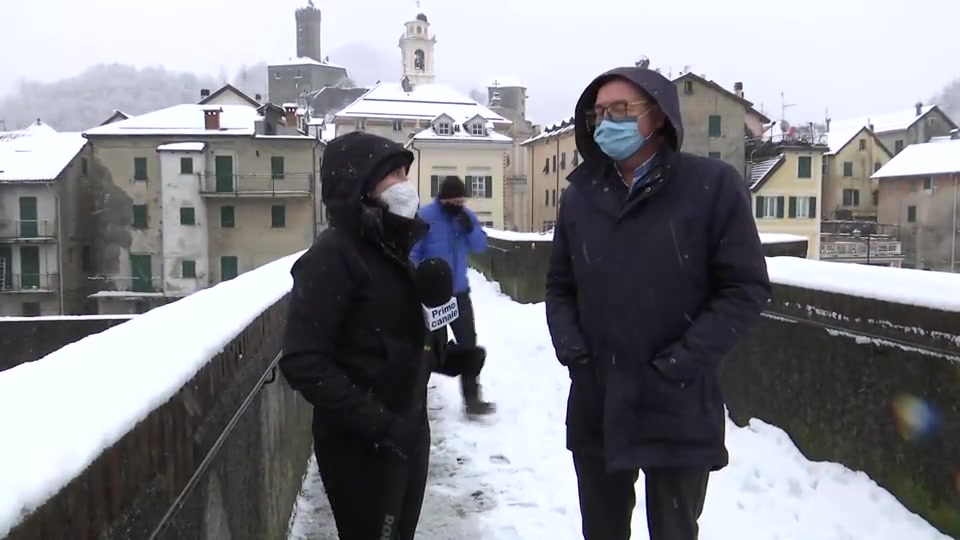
465,332
674,498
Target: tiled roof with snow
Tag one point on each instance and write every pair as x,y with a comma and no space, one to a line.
187,119
505,82
923,160
761,171
39,157
424,102
182,147
303,61
560,128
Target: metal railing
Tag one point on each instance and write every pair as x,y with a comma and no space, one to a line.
30,282
860,248
13,229
256,184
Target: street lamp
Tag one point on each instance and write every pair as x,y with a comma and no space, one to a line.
856,234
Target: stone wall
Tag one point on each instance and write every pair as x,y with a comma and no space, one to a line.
869,384
223,459
25,339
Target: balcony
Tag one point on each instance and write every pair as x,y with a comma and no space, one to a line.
28,230
865,250
256,185
29,283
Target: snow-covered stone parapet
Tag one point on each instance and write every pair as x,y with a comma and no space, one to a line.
66,409
510,236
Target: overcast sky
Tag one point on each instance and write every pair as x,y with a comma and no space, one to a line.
853,57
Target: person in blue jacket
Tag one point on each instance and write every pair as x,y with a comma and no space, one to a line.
454,233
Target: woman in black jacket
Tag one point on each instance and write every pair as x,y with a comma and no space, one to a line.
355,337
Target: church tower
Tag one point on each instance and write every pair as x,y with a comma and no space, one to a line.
416,50
308,32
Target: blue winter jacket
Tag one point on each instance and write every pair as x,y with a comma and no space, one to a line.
448,240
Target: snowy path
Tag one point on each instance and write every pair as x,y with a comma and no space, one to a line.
513,478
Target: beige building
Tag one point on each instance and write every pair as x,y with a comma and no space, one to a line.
551,156
785,191
918,192
471,150
44,234
848,191
194,194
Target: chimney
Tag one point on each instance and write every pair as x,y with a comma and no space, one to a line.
870,126
204,93
39,123
290,116
919,106
211,119
827,125
258,98
738,89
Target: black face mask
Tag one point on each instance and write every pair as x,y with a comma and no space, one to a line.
451,209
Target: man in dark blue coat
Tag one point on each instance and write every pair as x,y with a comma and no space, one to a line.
657,272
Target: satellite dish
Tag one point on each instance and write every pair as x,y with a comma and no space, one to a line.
784,126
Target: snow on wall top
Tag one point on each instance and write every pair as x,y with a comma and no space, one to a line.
182,147
510,236
923,159
101,411
505,82
38,157
303,61
424,102
936,290
780,238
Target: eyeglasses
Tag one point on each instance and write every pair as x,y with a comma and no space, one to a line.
615,111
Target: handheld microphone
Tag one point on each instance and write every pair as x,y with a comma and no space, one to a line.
434,281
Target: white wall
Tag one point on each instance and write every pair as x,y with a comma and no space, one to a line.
183,242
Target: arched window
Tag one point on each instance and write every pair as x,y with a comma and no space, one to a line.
419,60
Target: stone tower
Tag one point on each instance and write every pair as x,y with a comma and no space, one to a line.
416,50
308,32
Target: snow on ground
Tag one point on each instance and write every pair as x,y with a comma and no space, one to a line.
512,478
70,407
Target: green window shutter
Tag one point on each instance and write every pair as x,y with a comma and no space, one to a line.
468,180
488,187
759,211
227,217
780,207
278,216
140,168
139,216
188,269
276,167
714,126
813,207
793,207
188,216
229,267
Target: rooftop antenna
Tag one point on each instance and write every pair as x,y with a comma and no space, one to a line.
784,106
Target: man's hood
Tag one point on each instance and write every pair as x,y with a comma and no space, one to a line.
349,163
656,85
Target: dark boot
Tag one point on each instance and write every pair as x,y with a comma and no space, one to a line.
473,403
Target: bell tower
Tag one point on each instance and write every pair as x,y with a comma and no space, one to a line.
416,50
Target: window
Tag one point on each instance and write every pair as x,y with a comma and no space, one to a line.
876,166
278,216
188,215
435,180
804,167
875,197
897,146
443,128
803,207
553,162
139,216
863,144
186,165
227,217
84,166
713,155
688,87
30,309
851,197
398,125
847,168
361,124
546,166
576,159
714,126
769,207
477,129
487,224
479,186
276,167
229,267
553,196
927,182
188,269
563,161
140,168
911,214
546,197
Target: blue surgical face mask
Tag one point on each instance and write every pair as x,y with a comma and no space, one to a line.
619,139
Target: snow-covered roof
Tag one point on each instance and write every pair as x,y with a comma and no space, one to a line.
505,82
462,134
303,61
838,138
923,160
560,128
423,102
40,157
35,128
884,122
761,171
187,119
182,147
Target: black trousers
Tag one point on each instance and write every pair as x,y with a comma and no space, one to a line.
464,330
674,497
358,484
